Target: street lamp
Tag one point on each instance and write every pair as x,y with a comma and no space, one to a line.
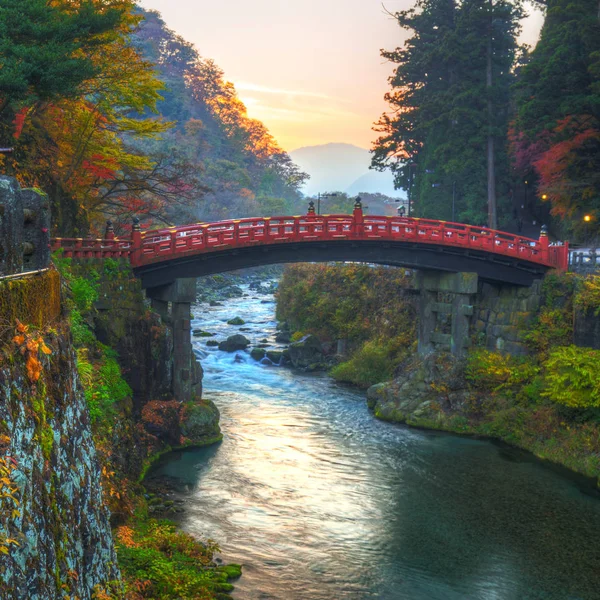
319,196
587,219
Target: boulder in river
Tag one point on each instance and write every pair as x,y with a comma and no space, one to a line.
283,337
258,353
199,421
275,356
236,321
201,333
234,342
212,343
306,353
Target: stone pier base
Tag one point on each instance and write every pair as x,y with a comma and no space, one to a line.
173,303
445,310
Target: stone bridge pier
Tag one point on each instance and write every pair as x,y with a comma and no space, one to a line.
173,303
445,310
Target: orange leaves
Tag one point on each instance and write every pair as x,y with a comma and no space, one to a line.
30,345
566,169
19,122
125,537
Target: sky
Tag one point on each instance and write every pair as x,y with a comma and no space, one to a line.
310,70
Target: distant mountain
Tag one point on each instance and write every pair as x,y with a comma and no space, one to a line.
344,168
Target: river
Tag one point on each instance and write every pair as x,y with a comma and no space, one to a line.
319,500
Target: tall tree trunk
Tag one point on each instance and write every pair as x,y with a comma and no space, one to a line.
491,154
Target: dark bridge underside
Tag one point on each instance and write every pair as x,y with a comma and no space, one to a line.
488,266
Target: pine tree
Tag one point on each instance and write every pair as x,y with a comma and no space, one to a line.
445,112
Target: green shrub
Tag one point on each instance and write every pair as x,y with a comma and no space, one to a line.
486,369
162,563
110,268
85,292
587,296
372,364
572,377
82,334
103,384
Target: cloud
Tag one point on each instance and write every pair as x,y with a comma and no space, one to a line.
253,87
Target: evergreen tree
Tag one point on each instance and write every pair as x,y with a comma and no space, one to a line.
44,49
556,136
445,112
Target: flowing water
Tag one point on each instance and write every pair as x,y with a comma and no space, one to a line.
319,500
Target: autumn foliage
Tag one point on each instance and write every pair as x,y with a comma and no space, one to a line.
30,344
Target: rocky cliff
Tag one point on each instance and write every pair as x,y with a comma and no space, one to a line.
55,535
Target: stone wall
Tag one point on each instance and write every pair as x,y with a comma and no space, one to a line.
24,228
502,313
586,328
33,299
61,526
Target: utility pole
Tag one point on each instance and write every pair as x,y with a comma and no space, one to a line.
491,154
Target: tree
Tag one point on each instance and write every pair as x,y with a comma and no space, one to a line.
45,50
446,110
556,134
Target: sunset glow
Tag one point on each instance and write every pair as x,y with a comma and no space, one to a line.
311,70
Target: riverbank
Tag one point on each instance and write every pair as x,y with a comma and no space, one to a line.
546,402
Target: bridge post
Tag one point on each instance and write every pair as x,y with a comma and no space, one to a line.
136,242
358,216
109,232
544,242
445,310
187,372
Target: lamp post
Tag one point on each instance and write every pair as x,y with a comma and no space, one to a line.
319,196
587,219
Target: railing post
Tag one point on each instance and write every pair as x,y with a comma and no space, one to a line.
563,257
109,232
310,216
544,243
109,236
135,254
359,220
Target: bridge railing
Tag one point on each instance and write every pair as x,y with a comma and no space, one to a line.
93,247
163,244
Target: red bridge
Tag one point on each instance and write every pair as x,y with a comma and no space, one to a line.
160,256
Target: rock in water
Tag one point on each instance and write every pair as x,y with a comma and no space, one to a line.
236,321
257,353
283,337
234,342
306,353
200,421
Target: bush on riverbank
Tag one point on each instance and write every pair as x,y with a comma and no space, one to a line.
370,308
159,562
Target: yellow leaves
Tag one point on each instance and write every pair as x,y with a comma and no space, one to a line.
30,345
8,497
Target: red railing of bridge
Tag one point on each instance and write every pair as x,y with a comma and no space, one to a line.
149,247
